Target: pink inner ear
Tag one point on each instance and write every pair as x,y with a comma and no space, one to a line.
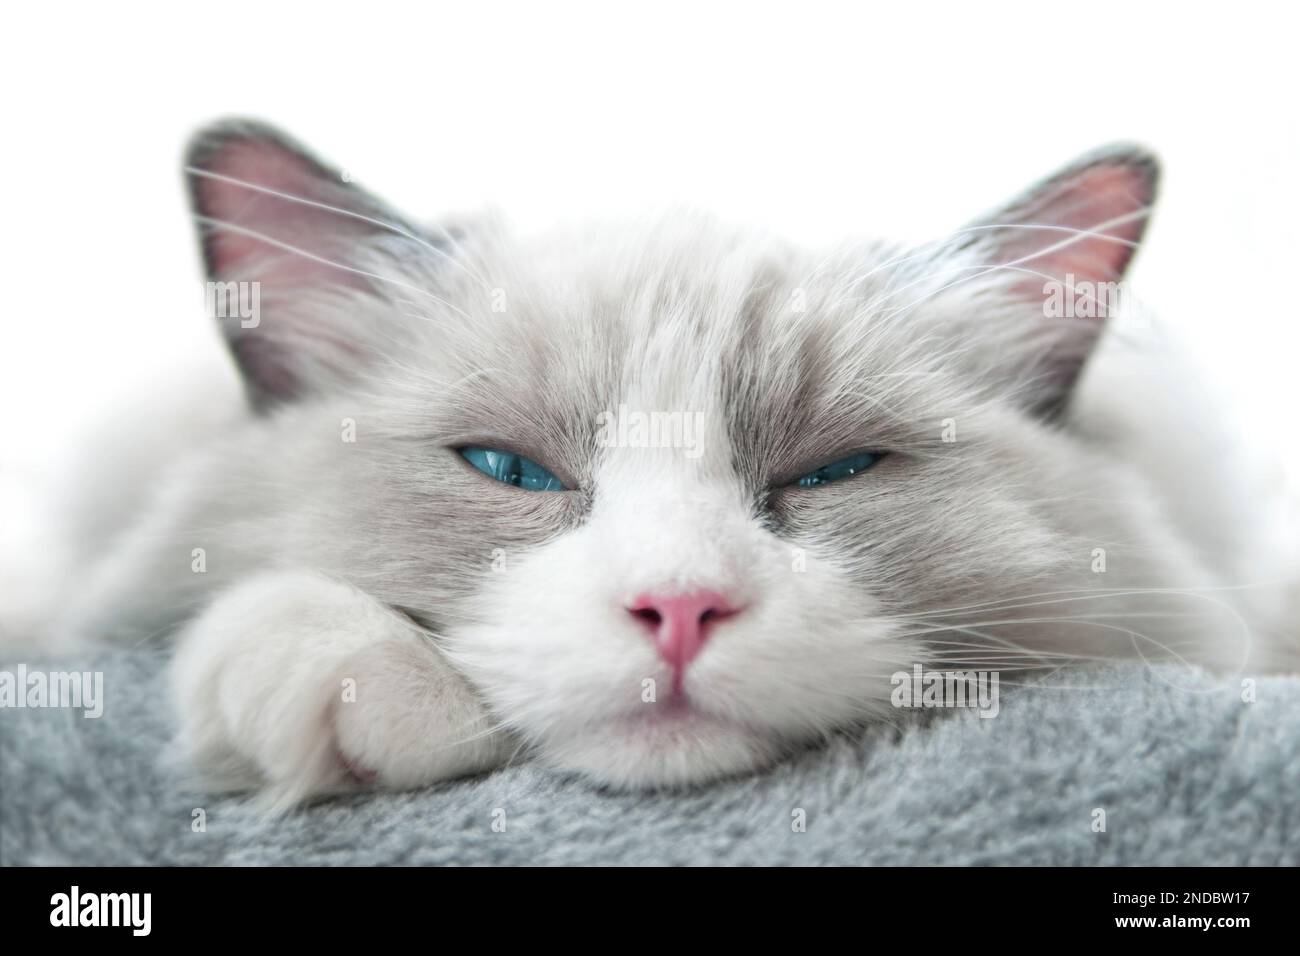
271,167
272,215
1110,200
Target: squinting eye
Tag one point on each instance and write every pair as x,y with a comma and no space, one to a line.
512,469
838,470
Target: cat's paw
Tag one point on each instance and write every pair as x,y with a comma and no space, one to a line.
404,718
307,686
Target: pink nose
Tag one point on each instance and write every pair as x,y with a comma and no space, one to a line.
680,623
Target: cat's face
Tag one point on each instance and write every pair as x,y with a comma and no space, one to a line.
660,598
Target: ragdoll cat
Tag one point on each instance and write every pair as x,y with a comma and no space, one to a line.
656,504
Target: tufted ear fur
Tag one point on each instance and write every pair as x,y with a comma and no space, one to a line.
1072,236
293,252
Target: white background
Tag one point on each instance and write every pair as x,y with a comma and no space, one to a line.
821,121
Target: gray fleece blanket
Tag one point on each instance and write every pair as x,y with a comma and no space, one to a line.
1184,770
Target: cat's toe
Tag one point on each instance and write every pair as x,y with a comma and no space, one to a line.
408,720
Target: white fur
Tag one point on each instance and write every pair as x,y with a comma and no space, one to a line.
304,682
323,555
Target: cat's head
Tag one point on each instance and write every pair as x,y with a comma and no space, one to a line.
672,497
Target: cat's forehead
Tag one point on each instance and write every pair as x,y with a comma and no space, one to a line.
657,309
767,348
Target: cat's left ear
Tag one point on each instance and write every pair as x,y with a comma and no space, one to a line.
282,232
1061,249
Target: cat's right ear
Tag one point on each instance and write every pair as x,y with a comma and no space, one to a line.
290,245
1074,234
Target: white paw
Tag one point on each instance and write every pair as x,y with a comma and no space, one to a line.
406,719
308,686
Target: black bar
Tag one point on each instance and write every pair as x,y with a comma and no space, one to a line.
333,905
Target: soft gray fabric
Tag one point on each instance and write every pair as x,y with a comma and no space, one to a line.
1186,772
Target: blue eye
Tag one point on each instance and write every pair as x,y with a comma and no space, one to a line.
512,469
838,470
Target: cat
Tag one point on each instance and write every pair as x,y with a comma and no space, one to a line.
658,503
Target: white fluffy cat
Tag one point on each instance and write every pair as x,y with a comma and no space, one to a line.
438,532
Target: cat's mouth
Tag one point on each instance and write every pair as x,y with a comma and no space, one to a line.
675,708
668,744
680,714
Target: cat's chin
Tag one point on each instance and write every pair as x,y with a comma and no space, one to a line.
668,751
